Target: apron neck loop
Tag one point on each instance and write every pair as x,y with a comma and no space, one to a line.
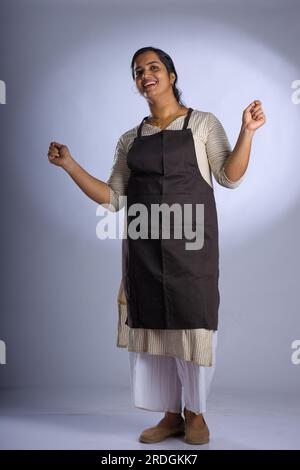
186,121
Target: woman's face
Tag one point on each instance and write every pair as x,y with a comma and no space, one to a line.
151,76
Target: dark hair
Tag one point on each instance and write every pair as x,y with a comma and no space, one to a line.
167,61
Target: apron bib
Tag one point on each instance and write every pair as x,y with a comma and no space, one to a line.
168,286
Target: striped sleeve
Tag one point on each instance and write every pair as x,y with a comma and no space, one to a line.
218,149
118,178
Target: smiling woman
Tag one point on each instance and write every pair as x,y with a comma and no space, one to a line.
168,320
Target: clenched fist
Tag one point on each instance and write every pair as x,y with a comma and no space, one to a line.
59,154
253,116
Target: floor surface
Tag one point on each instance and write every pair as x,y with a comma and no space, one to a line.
106,419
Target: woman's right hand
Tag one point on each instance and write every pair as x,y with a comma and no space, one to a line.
59,155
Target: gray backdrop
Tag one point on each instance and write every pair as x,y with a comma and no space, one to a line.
66,65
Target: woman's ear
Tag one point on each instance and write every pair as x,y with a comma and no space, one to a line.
172,77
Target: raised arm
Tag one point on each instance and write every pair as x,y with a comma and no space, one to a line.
218,150
104,193
237,162
97,190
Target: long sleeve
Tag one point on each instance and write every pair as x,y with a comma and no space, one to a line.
118,178
218,149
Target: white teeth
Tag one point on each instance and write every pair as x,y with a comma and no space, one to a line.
150,83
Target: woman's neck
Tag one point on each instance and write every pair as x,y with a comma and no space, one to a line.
163,112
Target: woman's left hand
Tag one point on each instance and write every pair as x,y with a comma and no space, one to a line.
253,116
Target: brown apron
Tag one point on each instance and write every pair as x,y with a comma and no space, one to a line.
166,285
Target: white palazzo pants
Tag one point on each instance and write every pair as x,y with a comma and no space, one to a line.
163,383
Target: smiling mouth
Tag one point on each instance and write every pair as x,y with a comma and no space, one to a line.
148,87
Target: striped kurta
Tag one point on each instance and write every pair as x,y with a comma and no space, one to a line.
212,148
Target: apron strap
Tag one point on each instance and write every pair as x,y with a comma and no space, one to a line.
140,127
187,117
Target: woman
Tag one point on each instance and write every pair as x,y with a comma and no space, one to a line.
168,297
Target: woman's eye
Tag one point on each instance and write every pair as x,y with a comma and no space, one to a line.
140,71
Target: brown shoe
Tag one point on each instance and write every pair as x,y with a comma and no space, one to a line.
162,431
195,433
